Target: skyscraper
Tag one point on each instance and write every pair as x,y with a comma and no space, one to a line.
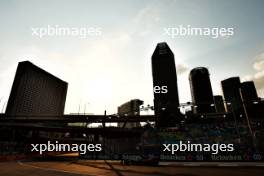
249,92
166,100
250,98
201,90
36,92
219,104
232,96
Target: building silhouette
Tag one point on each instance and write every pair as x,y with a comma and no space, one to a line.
231,92
250,98
164,75
249,92
219,104
130,108
36,92
201,90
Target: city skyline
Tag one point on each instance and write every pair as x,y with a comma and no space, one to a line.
199,77
130,32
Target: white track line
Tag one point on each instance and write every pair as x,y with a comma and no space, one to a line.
53,170
212,164
192,164
231,165
260,165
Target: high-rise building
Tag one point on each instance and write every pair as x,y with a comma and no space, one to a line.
233,102
130,108
249,92
219,104
250,98
36,92
166,100
201,90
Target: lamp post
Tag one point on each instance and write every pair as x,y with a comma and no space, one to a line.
84,110
195,108
247,117
79,107
235,119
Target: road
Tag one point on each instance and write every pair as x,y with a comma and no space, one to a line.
107,168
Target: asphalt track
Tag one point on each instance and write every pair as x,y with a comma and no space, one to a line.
114,168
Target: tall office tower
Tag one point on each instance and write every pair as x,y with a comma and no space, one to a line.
166,100
219,104
250,98
36,92
201,90
249,92
230,88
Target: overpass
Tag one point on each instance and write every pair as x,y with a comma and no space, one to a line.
57,123
77,118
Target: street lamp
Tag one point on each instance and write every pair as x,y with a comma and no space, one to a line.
247,118
246,113
234,115
195,108
84,109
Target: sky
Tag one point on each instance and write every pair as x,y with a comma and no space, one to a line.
103,71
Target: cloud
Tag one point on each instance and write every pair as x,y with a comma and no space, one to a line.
181,68
259,64
258,76
144,22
